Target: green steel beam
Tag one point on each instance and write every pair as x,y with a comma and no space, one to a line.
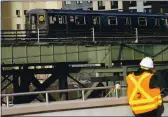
93,54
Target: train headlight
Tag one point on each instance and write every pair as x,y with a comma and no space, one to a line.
41,18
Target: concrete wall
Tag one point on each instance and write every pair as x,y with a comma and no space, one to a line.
109,106
106,111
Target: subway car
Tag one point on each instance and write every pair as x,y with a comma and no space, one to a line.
54,22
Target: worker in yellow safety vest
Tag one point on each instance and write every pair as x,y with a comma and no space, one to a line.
144,99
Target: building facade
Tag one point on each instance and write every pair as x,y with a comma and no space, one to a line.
13,12
132,6
148,6
77,5
110,5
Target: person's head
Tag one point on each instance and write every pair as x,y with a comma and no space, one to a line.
147,63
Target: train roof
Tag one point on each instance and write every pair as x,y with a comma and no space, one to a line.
96,12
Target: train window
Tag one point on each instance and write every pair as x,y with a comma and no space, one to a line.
33,19
72,19
53,19
62,19
112,20
142,21
80,20
157,22
41,19
27,19
96,20
127,21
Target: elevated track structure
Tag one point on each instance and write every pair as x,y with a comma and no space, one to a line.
104,62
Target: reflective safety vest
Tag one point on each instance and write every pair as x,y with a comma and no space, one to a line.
141,98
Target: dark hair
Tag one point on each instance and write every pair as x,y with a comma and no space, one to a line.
140,71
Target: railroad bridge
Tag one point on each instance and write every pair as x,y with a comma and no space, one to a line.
102,63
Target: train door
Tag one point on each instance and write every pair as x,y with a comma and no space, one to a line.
96,22
33,23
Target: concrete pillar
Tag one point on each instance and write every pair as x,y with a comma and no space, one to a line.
107,5
120,5
95,5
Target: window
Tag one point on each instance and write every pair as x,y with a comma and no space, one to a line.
112,20
147,3
53,19
148,10
18,13
80,20
101,5
58,19
133,3
25,11
27,19
79,2
157,22
62,19
67,2
114,4
154,21
91,9
33,19
142,21
89,1
127,21
72,19
18,26
96,20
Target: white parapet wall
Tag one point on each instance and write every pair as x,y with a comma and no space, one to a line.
90,107
103,111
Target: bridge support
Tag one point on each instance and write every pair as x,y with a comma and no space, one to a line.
24,77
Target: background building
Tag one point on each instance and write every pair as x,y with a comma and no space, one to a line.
80,5
132,6
110,5
13,13
149,6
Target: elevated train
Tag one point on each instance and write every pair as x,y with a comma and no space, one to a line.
53,20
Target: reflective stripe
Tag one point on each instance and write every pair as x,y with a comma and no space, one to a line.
137,84
141,101
144,107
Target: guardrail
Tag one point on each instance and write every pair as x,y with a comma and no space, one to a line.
89,33
58,91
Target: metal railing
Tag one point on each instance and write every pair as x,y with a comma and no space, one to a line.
89,33
59,91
